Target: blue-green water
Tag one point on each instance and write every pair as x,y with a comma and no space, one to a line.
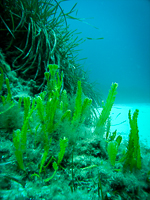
123,56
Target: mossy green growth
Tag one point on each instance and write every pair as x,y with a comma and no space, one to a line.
133,155
45,154
24,129
56,164
64,101
18,148
46,106
54,82
6,100
106,109
79,114
20,136
46,110
112,150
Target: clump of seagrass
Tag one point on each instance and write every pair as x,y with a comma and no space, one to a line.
33,34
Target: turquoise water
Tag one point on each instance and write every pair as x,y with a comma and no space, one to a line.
123,56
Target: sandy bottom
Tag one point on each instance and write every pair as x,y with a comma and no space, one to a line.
120,121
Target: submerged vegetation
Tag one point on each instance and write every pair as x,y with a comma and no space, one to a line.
53,144
35,33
